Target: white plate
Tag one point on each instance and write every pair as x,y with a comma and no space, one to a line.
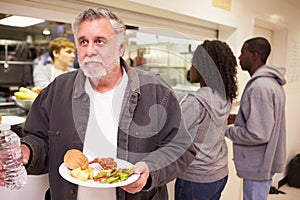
65,173
12,120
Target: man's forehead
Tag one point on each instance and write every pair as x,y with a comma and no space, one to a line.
101,22
101,27
68,48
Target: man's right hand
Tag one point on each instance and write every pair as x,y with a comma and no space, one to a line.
231,119
26,155
2,176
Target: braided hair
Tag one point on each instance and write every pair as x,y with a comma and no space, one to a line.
216,63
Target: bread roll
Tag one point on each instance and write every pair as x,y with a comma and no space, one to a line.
75,158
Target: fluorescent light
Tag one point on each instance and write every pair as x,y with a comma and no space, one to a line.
20,21
46,31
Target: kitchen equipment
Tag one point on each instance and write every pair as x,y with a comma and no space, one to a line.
23,104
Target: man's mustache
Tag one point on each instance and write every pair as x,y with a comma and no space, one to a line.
93,60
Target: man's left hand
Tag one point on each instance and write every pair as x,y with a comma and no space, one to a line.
142,169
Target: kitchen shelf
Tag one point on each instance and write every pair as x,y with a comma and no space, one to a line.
16,62
7,104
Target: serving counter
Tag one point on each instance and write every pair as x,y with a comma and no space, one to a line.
35,189
36,185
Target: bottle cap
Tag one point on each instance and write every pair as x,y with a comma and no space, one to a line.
4,127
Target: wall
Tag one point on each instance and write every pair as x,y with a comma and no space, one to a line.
234,26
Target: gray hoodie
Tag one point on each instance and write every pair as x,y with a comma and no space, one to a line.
259,132
205,113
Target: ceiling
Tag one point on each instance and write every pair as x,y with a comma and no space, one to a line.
294,3
35,32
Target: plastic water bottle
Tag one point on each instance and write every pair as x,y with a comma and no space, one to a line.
11,158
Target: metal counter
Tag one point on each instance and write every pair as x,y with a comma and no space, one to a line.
10,109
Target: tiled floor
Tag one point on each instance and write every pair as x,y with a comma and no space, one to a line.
292,193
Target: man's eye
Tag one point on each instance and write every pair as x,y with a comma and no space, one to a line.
83,42
100,42
70,51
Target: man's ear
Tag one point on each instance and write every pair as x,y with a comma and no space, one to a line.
55,53
255,56
122,49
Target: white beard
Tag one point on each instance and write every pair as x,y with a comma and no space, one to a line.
94,67
93,70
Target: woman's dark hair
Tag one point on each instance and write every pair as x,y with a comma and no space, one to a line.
217,54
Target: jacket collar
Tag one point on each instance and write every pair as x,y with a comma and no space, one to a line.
133,78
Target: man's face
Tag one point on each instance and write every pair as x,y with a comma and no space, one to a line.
98,50
245,58
65,56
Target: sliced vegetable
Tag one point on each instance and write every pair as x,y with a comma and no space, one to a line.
114,175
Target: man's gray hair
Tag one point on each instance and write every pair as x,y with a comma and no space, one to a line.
99,13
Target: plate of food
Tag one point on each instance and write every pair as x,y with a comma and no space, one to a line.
98,173
12,120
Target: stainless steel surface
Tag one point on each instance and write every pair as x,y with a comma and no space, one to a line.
12,111
5,104
17,62
23,104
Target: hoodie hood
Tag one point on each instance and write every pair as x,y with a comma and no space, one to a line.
218,107
272,72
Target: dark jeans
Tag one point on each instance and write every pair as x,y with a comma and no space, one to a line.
187,190
47,195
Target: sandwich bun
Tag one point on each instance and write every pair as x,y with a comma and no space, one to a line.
74,158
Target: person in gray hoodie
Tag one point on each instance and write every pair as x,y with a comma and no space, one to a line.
205,113
259,131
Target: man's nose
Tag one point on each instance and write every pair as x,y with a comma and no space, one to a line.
92,50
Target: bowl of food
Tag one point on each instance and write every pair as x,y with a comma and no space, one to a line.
24,98
23,104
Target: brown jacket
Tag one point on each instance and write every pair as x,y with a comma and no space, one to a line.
151,129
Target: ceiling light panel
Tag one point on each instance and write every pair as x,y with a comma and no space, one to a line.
20,21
